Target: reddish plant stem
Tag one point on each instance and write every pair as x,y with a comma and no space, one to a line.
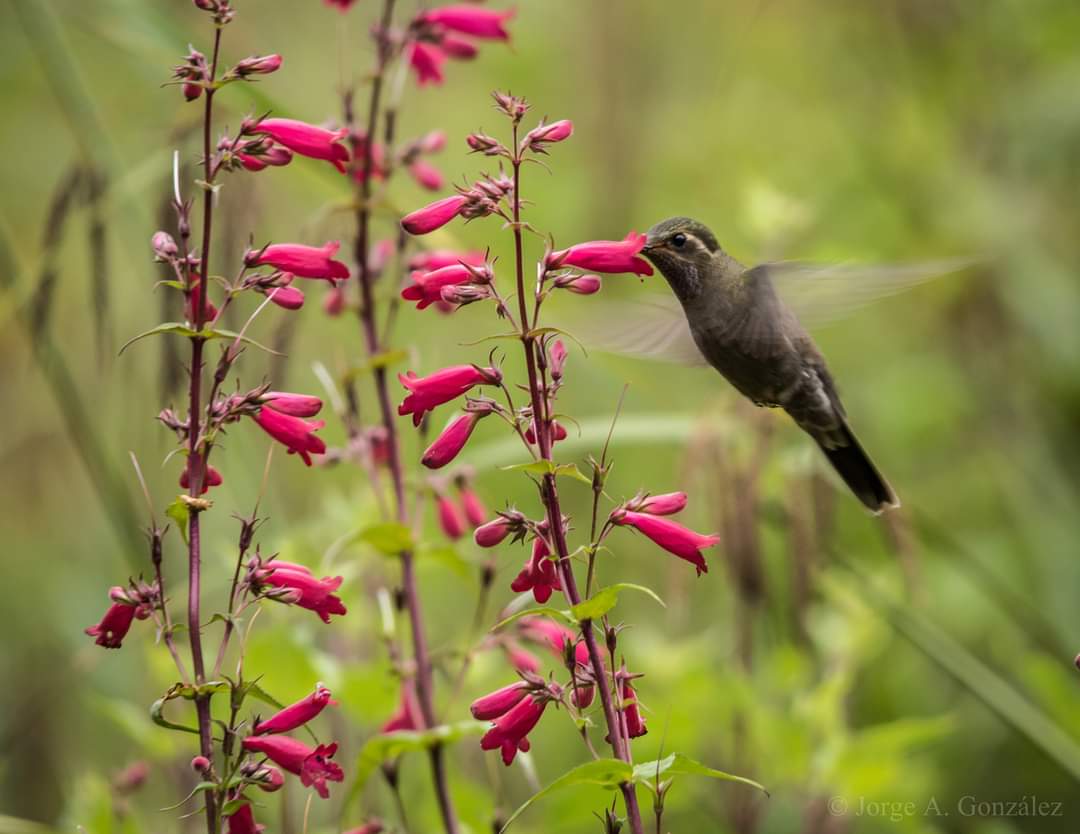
421,653
196,462
550,496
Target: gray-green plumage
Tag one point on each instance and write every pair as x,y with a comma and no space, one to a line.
747,333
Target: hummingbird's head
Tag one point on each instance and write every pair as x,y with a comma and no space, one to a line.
682,250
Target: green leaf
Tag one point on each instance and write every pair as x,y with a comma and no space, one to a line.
167,327
677,763
390,537
387,746
608,773
495,338
544,611
379,360
178,512
604,600
256,691
157,710
547,467
218,333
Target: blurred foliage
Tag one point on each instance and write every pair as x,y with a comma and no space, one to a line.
850,665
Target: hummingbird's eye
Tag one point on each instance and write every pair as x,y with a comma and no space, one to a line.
678,240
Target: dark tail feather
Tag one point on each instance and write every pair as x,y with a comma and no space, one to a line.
859,472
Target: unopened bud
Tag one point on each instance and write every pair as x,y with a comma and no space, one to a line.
164,246
464,293
258,65
487,145
200,764
611,637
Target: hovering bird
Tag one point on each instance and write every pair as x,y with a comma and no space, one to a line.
735,319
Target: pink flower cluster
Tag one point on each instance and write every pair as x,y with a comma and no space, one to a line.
135,602
645,514
448,32
454,521
294,584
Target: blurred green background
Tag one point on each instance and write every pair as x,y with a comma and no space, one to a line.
851,665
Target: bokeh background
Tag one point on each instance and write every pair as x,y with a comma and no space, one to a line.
851,665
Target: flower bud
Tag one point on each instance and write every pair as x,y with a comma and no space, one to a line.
258,65
462,294
536,138
580,284
200,764
164,246
487,145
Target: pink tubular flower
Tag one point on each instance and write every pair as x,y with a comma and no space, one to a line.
308,592
605,256
511,728
434,215
312,766
212,478
543,630
426,59
453,439
557,360
302,261
538,575
667,504
635,724
499,702
307,140
296,434
372,827
473,507
242,821
270,779
458,48
341,4
449,518
114,626
334,301
673,537
289,298
427,175
429,392
580,284
408,715
258,65
297,405
584,691
558,432
297,714
522,659
547,134
434,259
426,288
471,20
494,532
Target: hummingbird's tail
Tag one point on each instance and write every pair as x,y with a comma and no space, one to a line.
849,459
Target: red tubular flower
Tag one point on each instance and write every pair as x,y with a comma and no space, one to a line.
302,261
605,256
294,433
432,141
429,392
557,360
511,728
307,140
427,175
343,5
580,284
313,594
536,138
434,215
373,827
426,288
426,59
297,714
584,691
494,532
242,821
212,478
453,439
270,779
258,65
458,48
522,659
312,766
475,511
449,518
543,630
289,298
334,301
538,575
114,626
499,702
408,715
434,259
667,504
558,432
297,405
635,723
471,20
673,537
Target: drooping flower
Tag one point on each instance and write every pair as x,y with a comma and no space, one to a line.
429,392
473,507
242,821
434,259
426,287
427,60
510,730
312,766
296,715
334,301
295,433
667,504
427,175
471,20
408,715
558,432
306,591
211,478
453,439
343,5
494,532
605,256
297,405
584,690
499,702
543,630
306,139
673,537
539,574
449,518
288,298
434,215
631,712
522,659
114,626
557,360
302,261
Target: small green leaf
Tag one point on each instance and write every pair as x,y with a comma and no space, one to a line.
167,327
218,333
495,338
256,691
678,763
608,773
390,537
604,600
157,710
570,470
545,611
547,467
379,360
178,512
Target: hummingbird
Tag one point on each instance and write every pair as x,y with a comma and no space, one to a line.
744,329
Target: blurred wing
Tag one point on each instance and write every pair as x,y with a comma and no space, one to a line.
822,293
653,327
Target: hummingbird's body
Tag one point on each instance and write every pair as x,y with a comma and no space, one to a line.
745,331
